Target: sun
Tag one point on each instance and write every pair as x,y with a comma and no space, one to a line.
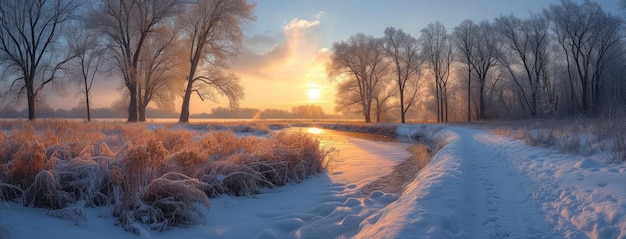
313,93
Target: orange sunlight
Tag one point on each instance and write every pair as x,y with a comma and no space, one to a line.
313,92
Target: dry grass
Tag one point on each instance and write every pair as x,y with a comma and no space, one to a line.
586,137
161,177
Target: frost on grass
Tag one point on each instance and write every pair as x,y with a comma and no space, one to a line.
587,137
162,177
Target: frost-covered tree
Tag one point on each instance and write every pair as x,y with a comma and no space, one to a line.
159,72
404,52
590,39
212,32
481,49
127,24
30,32
527,54
438,51
464,39
360,67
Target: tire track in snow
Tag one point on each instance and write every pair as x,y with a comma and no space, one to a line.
497,204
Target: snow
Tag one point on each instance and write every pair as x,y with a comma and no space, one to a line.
478,185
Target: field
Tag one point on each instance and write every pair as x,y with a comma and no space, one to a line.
521,179
158,175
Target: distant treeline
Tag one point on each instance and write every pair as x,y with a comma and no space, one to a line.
298,112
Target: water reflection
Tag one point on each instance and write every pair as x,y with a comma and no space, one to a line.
314,130
371,161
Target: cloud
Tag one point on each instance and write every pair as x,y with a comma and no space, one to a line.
319,15
300,23
287,64
289,55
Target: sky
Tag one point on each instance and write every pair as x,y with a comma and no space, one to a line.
286,49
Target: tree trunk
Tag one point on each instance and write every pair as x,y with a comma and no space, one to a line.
142,113
402,112
585,97
469,93
31,103
132,106
438,100
481,94
142,104
445,103
87,103
378,111
367,110
368,118
184,112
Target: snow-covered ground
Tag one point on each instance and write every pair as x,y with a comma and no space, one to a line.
478,185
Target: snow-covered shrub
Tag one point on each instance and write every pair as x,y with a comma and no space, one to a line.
128,178
171,200
83,180
237,177
301,152
43,192
213,183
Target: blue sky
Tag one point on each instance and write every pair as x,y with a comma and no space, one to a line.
343,18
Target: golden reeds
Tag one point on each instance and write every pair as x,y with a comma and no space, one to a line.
161,177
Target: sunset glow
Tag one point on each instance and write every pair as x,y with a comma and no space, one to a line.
313,94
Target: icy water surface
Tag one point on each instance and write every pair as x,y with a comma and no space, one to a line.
402,173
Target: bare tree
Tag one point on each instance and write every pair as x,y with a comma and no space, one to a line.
359,60
438,51
403,49
590,39
29,32
127,24
383,98
212,31
89,59
349,101
527,47
486,53
157,79
464,36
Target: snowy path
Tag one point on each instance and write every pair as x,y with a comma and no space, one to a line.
480,185
497,204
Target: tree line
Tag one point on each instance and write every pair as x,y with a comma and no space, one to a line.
296,112
160,49
567,60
